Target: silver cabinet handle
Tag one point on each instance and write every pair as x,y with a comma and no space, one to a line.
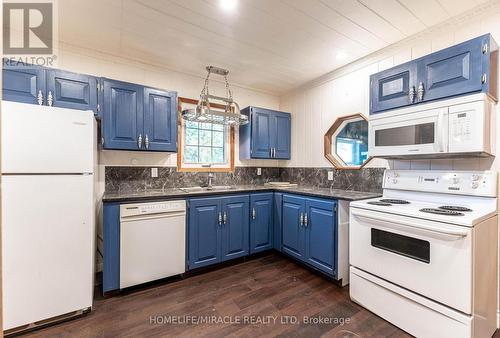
39,98
139,141
271,152
253,213
305,220
420,91
301,219
146,141
225,217
274,152
411,94
220,218
49,99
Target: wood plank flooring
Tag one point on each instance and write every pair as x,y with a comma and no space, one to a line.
266,287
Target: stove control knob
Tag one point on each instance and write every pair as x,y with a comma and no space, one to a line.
474,185
394,181
455,180
476,177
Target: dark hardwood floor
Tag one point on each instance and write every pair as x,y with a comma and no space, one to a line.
266,287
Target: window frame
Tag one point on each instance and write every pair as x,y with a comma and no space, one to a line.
185,167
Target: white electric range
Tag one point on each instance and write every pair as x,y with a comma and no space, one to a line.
424,256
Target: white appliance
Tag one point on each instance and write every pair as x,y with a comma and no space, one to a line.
450,128
48,158
152,241
424,256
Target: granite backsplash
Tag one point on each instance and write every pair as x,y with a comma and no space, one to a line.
139,178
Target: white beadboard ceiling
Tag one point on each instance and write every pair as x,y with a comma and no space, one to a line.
269,45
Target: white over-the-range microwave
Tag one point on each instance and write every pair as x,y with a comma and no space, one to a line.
458,127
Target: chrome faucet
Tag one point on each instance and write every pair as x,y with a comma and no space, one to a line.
210,176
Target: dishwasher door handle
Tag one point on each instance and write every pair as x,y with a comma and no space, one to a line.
152,216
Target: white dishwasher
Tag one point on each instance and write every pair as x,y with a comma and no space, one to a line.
152,241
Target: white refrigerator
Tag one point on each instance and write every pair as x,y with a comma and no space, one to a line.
47,189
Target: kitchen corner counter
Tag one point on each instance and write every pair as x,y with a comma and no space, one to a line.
155,194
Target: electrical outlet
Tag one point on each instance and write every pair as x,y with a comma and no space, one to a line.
330,176
259,171
154,172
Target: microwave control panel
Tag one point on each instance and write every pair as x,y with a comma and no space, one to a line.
468,130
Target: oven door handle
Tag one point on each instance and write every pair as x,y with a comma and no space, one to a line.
381,219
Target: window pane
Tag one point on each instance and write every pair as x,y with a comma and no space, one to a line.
217,139
191,136
218,127
218,155
190,124
205,138
191,154
205,155
206,126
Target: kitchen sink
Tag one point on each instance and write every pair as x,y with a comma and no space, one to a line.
213,188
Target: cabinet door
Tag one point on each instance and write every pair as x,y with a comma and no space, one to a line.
452,71
320,243
203,232
261,223
22,84
390,88
261,137
293,229
123,115
281,130
235,228
278,217
160,120
71,90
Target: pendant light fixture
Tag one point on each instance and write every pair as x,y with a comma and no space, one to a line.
205,113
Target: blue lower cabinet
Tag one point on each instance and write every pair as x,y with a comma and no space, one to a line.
234,232
293,228
277,220
218,229
261,222
204,237
310,231
320,248
111,243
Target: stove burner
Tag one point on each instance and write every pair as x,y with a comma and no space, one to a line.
454,208
393,201
442,212
379,203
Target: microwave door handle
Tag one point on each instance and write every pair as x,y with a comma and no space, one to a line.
442,132
381,221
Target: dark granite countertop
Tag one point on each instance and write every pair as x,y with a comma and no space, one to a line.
155,194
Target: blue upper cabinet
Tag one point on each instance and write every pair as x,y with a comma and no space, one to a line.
453,71
468,67
160,120
71,90
392,88
203,232
135,117
235,230
24,85
266,136
122,114
261,222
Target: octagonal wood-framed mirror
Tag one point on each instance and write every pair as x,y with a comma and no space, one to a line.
346,142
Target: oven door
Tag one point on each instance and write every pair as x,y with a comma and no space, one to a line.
430,258
418,133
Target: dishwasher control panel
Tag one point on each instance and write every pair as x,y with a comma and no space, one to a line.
127,210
